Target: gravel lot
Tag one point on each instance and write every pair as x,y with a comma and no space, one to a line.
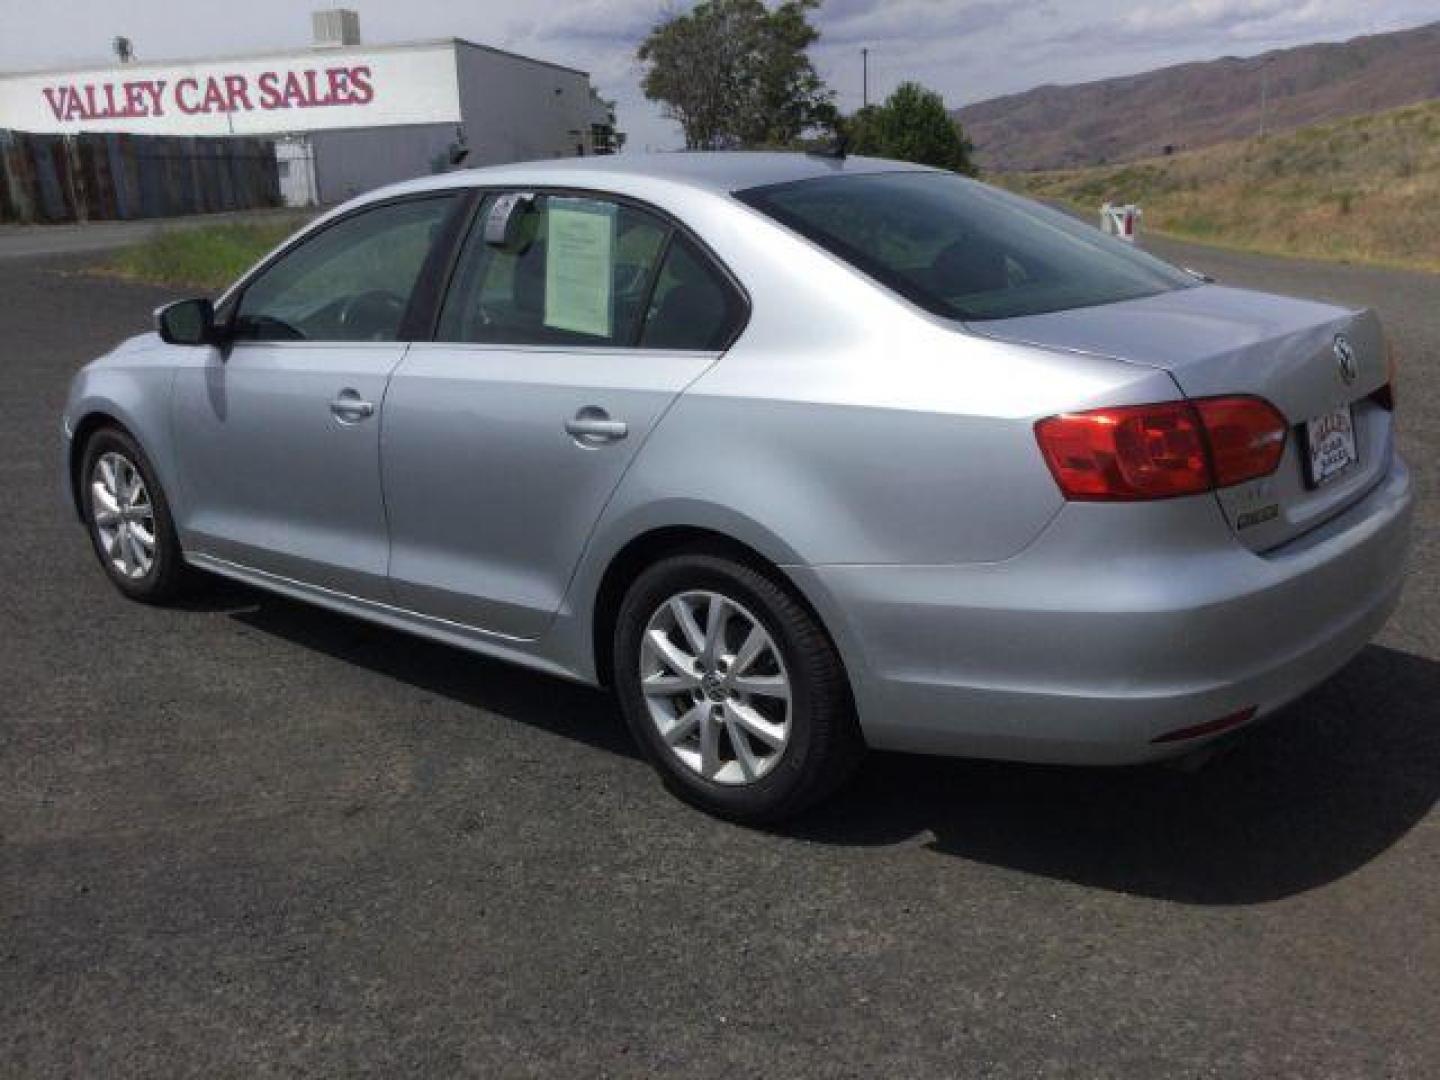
251,838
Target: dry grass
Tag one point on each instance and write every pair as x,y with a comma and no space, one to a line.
206,258
1366,189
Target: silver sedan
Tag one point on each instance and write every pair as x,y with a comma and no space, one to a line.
799,455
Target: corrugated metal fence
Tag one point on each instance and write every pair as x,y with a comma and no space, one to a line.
108,177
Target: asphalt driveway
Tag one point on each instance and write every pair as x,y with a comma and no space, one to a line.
250,838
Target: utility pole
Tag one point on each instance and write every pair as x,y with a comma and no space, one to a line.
865,78
1264,97
1264,92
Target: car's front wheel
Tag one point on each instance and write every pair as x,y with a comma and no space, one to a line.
733,689
129,519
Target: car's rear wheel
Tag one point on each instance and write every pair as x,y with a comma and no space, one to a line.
733,689
129,519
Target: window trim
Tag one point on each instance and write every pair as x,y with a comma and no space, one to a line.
648,297
422,316
727,278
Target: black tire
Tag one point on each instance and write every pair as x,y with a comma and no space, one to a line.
167,577
824,745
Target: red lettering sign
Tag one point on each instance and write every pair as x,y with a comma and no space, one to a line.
186,92
302,88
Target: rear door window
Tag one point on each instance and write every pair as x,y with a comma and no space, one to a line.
692,306
571,271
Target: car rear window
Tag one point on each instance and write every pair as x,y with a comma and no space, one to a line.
961,249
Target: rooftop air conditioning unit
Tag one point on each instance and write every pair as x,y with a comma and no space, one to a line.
337,28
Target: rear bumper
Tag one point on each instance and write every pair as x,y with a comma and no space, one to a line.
1110,631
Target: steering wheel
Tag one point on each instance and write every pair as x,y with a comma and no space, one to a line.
269,328
371,316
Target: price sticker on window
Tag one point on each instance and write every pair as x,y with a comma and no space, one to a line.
579,266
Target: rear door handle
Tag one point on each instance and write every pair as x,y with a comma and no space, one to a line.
591,425
349,407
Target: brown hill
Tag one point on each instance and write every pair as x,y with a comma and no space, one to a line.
1192,105
1366,188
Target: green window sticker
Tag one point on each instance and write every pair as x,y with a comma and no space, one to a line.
579,274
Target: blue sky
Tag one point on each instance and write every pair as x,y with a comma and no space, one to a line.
966,49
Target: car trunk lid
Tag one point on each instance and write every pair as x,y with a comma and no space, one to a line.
1219,341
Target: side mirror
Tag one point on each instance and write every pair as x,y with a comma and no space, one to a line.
187,322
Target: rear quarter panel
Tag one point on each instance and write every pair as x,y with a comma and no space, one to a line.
855,428
847,427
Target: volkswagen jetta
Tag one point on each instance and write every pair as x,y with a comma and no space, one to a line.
798,454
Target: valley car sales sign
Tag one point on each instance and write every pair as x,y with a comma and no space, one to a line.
311,91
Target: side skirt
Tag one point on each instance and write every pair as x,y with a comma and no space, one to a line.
499,646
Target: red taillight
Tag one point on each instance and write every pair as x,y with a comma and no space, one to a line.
1134,452
1160,451
1210,727
1247,437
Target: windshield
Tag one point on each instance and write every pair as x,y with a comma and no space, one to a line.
962,249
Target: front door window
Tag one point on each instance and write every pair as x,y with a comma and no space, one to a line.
350,282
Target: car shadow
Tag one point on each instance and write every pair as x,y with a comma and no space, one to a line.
1304,799
569,709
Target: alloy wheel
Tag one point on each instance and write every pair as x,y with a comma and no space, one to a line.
124,515
716,687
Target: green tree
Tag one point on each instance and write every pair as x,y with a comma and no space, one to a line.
735,73
912,125
863,133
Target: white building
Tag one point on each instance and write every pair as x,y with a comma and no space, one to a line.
346,117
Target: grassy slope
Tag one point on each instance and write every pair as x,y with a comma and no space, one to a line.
1365,189
206,257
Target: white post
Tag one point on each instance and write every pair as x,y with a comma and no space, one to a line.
1121,221
294,157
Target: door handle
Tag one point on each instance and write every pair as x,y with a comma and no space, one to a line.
349,407
591,425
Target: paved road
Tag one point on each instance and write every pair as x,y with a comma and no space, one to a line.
250,838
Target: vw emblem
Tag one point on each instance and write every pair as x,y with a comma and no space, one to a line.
1345,357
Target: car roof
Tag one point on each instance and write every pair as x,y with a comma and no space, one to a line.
723,171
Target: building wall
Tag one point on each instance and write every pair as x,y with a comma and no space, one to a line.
364,116
349,163
306,90
510,108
